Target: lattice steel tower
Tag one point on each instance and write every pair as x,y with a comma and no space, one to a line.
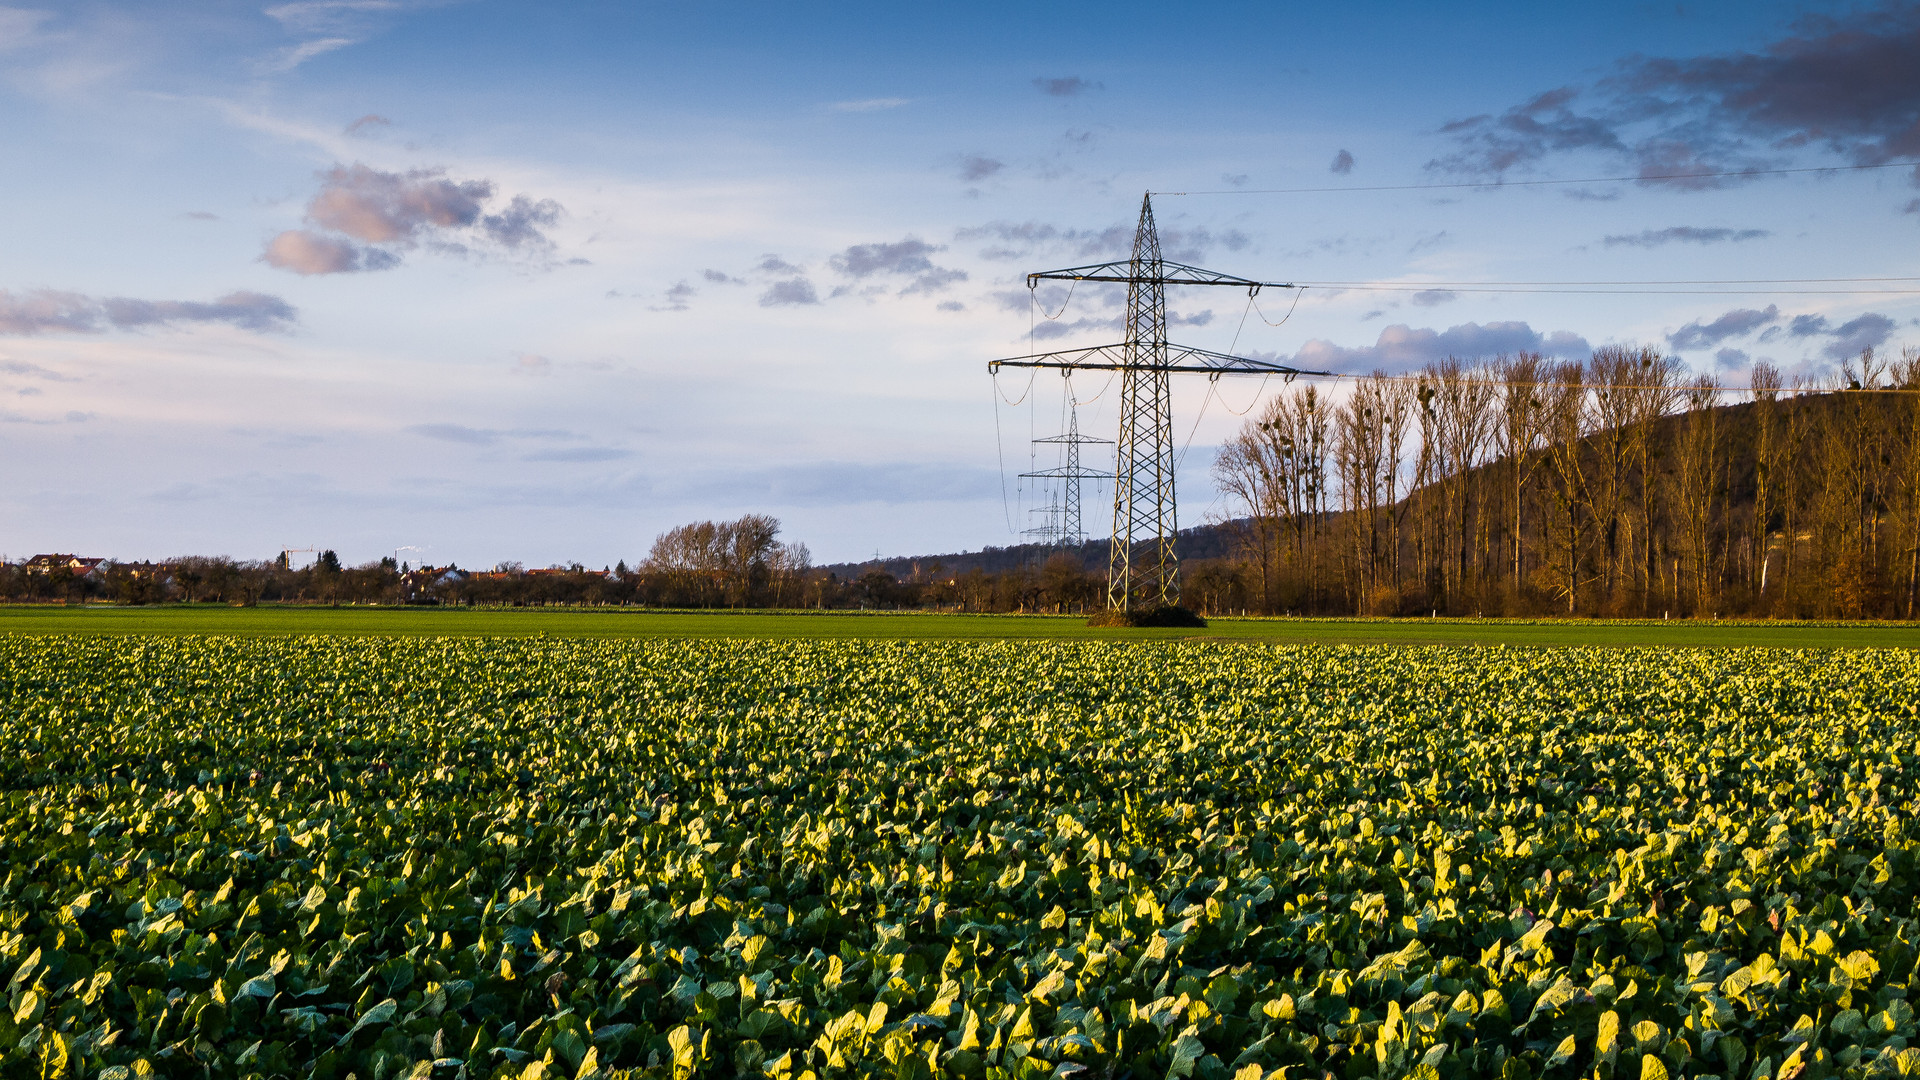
1064,529
1143,569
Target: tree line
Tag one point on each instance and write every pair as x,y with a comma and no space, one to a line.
1615,486
705,564
1521,485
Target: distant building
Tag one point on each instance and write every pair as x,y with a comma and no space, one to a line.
418,584
77,565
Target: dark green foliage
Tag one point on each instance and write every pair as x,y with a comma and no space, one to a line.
1161,616
414,858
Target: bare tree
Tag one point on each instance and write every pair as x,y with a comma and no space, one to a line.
1905,446
1521,425
1369,430
1766,465
1463,424
1247,471
1566,417
1695,486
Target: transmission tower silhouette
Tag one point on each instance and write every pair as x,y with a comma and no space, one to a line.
1049,531
1064,529
1143,569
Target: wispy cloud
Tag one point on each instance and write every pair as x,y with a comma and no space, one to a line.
33,371
976,167
294,55
325,26
1065,86
1736,323
20,27
49,311
321,15
1685,234
579,454
869,104
1020,239
473,436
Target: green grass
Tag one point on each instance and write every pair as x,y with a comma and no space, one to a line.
629,623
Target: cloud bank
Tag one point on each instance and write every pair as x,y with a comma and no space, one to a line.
1848,85
1402,348
1870,329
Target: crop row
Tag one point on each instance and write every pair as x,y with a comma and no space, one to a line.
545,858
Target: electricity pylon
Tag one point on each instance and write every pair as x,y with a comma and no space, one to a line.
1143,570
1049,532
1064,529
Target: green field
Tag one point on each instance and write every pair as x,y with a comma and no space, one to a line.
433,857
629,623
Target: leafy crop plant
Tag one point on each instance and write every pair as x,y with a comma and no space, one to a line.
557,858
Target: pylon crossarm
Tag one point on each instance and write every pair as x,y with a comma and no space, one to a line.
1171,273
1064,471
1180,358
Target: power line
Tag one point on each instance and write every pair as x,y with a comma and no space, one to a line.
1535,289
1691,281
1547,183
1556,384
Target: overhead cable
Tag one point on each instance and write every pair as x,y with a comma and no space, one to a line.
1503,183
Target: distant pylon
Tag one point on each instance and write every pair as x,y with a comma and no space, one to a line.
1143,569
1065,513
1049,532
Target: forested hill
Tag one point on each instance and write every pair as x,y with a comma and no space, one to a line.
1200,542
1575,498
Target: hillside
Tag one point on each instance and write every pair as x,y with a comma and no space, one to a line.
1199,542
1661,517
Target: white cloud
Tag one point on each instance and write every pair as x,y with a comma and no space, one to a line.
317,15
294,55
20,27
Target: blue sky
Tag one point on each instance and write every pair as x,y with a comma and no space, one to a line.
481,281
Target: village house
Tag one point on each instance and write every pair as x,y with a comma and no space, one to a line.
78,566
